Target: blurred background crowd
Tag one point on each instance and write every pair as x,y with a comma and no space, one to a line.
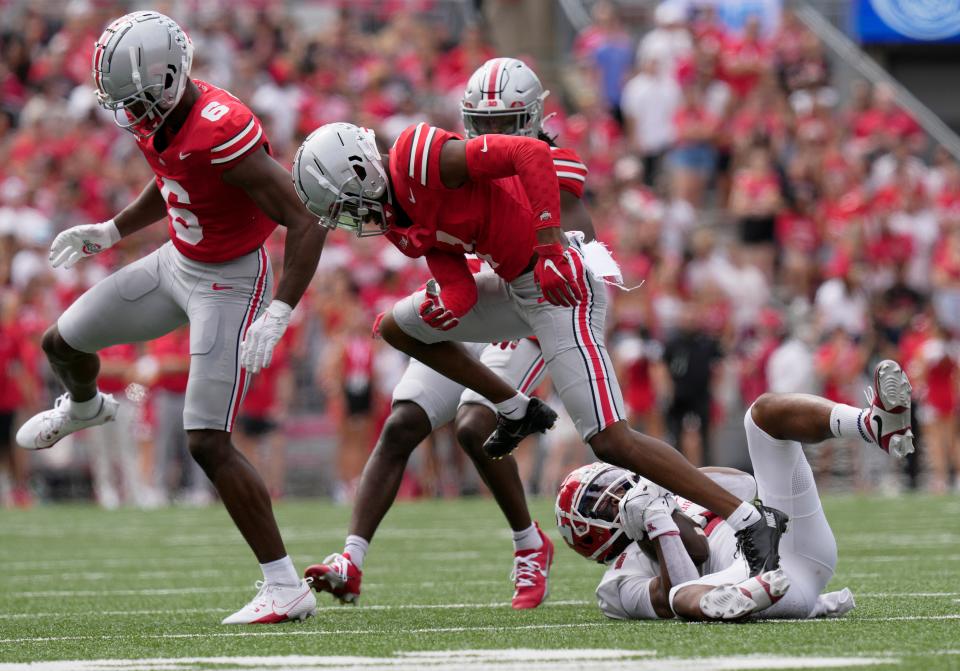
785,234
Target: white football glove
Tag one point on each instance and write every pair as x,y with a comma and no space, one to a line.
634,506
256,350
80,242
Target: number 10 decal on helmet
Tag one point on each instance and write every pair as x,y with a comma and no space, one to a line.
504,96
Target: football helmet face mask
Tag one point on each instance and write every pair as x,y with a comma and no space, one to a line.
141,66
503,96
339,176
588,510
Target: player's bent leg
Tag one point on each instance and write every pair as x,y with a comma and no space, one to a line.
405,428
132,305
533,550
474,425
698,600
620,445
83,406
808,550
340,574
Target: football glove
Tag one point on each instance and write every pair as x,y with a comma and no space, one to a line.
256,351
556,276
79,242
434,312
646,510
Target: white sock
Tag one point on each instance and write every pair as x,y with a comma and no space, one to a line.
528,539
357,548
514,408
86,409
745,515
847,422
280,572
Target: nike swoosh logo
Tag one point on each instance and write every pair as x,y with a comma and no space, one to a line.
413,198
484,150
221,287
879,422
183,156
288,606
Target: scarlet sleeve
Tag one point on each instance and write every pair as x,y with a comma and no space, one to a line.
233,136
495,156
458,289
571,171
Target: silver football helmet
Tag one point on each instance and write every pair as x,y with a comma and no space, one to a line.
141,65
340,177
503,96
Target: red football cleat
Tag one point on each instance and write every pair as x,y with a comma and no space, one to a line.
888,417
531,573
337,575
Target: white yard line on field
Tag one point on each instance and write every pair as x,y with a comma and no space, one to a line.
434,630
465,660
195,590
333,609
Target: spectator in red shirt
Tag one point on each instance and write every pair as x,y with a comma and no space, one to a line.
756,200
936,375
693,158
946,279
18,392
262,418
745,59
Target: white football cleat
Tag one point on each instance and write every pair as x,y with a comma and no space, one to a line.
732,602
276,603
44,429
887,420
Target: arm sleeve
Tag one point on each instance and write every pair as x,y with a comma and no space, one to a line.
626,598
458,289
571,171
496,156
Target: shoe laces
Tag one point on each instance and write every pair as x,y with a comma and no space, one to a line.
260,600
525,570
339,564
52,421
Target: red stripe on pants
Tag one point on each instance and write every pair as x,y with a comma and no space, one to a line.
593,350
251,313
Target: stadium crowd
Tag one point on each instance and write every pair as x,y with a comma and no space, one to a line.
784,235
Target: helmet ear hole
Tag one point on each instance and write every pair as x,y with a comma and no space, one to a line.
360,170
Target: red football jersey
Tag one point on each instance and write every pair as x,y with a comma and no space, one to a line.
489,218
210,220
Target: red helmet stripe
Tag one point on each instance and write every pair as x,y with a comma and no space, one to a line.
492,89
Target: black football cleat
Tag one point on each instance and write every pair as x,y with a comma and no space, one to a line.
510,432
760,542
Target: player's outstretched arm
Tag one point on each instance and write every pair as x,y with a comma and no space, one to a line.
269,186
79,242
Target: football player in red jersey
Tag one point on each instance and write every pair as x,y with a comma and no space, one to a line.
222,194
425,400
439,197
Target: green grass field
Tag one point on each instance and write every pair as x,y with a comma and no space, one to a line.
83,584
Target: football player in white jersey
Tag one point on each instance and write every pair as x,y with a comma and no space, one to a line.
653,542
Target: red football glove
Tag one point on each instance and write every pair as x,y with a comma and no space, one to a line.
433,311
556,275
